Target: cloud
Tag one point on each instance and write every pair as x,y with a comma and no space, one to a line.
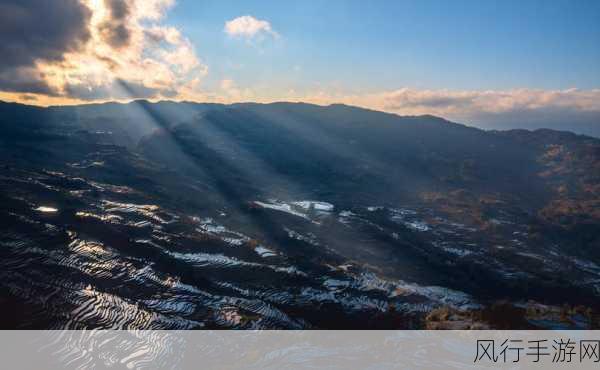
24,79
571,109
231,92
248,27
227,84
78,50
462,103
465,103
32,31
114,30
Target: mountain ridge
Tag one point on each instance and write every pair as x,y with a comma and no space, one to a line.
306,201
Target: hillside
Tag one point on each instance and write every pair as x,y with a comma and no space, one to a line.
291,215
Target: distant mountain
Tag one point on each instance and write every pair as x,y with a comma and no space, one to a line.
234,200
336,150
580,123
340,149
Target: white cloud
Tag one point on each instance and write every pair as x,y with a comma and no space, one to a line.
227,84
248,27
231,92
490,101
461,103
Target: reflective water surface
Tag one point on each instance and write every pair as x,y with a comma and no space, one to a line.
110,256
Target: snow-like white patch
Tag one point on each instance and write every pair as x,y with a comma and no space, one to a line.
44,209
222,261
335,284
305,208
310,238
417,225
264,252
317,206
496,221
438,295
282,207
209,226
347,214
457,251
407,217
401,213
149,211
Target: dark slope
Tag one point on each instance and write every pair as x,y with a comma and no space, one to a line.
178,215
342,150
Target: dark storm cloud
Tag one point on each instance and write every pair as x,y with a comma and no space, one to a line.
25,80
114,30
32,30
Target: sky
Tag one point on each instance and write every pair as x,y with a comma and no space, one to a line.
464,60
